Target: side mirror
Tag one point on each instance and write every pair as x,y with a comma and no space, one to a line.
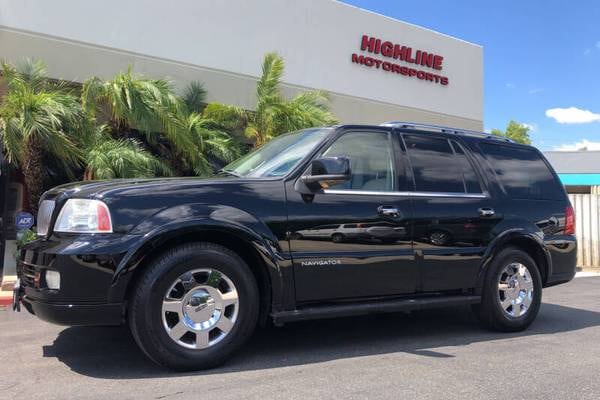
328,171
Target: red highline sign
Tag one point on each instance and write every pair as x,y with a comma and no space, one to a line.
406,54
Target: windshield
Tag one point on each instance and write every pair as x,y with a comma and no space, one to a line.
279,156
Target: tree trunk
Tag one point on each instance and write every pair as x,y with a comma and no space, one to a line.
33,171
88,175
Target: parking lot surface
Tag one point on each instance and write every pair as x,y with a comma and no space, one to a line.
438,354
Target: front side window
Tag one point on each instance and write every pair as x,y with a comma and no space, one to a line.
440,165
371,160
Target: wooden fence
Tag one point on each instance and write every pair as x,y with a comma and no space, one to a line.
587,225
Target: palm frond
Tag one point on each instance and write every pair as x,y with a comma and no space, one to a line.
123,159
272,71
194,96
224,117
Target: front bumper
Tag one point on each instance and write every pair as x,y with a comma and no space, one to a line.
75,314
87,266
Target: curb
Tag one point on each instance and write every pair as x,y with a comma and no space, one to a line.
6,290
5,300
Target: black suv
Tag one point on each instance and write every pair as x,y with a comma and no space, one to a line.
318,223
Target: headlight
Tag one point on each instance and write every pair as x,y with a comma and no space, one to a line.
83,216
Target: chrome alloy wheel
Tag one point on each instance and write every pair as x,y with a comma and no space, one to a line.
200,308
515,289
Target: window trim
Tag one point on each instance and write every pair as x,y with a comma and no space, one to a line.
484,192
483,195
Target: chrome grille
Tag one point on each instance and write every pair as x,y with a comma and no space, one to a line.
44,216
29,275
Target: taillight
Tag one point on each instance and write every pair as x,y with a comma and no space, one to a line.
569,221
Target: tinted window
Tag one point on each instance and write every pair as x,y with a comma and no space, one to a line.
470,179
371,160
439,166
522,172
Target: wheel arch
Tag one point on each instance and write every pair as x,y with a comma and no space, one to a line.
530,243
251,248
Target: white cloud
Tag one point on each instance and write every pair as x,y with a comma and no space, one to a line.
572,115
532,126
584,144
536,90
587,52
511,85
598,44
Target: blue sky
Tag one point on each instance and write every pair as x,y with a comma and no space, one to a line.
541,60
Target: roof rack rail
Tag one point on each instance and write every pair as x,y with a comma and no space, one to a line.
444,129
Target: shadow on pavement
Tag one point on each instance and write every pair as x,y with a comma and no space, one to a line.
111,353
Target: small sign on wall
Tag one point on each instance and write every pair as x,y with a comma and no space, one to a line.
24,220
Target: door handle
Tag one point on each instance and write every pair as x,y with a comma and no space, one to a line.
388,211
486,212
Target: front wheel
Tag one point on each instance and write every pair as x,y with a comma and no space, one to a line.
194,306
512,292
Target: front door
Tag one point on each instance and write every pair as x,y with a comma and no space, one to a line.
453,213
352,240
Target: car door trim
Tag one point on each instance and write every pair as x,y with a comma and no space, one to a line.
405,193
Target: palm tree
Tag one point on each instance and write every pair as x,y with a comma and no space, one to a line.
38,116
170,125
146,105
123,158
194,97
275,115
215,147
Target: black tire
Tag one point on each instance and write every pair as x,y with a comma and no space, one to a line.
337,238
490,311
296,236
145,302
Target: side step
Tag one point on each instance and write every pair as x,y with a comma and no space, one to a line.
374,307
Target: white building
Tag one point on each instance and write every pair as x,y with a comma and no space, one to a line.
405,73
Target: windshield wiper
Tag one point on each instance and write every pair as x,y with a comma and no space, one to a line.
228,172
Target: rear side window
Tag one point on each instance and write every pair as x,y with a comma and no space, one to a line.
440,165
522,172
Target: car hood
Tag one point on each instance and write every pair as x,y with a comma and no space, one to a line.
110,188
132,201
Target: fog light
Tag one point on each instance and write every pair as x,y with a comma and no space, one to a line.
53,279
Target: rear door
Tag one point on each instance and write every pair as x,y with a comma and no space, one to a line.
352,240
453,212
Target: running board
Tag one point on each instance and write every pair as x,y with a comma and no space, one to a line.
375,307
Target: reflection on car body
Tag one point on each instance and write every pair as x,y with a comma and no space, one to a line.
386,232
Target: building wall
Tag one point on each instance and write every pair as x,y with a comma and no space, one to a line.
222,44
587,225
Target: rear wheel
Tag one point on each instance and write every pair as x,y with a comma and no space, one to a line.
194,306
512,292
337,238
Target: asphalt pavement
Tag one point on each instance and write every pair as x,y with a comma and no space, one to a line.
437,354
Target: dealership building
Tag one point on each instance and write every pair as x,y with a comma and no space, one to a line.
375,68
